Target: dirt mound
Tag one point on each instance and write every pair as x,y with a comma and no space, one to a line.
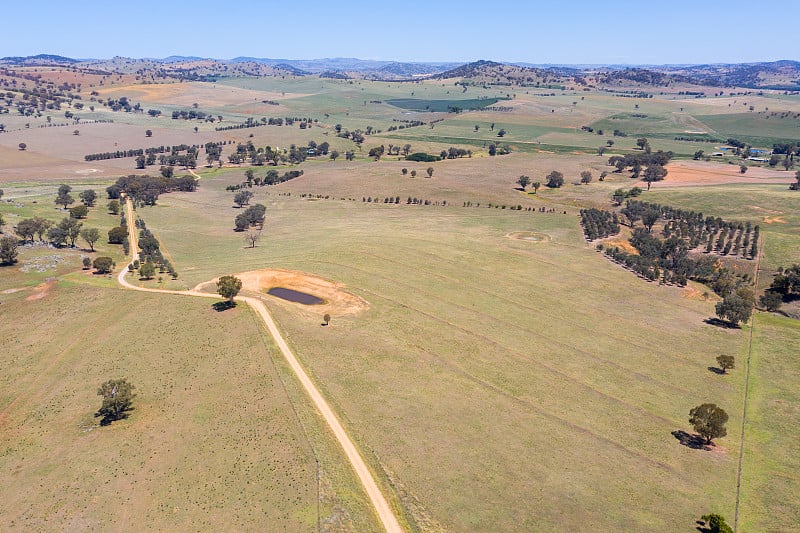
337,301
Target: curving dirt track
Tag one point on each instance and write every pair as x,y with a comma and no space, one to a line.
379,503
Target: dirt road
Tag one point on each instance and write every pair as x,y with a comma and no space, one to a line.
382,508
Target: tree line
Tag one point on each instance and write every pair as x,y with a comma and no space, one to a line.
145,190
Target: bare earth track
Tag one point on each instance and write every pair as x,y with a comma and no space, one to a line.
379,502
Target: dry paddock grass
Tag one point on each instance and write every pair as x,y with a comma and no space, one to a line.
213,441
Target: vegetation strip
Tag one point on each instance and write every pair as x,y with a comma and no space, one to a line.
381,505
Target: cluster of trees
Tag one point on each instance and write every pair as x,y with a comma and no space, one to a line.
145,190
651,162
598,223
253,216
193,114
669,260
728,238
59,234
785,286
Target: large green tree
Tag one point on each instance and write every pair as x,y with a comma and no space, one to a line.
555,179
228,287
91,236
736,307
117,398
88,197
709,421
103,265
8,249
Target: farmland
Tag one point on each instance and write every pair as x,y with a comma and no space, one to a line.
491,382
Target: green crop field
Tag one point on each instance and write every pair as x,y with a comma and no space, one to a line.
492,382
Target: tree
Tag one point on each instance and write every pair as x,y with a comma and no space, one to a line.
117,398
654,172
725,362
413,173
429,170
586,177
709,421
252,237
649,218
113,207
555,179
523,181
8,249
22,146
72,229
88,197
327,318
103,264
147,270
242,198
79,211
76,132
643,144
492,150
87,262
228,287
536,185
742,169
501,133
148,133
736,307
771,300
63,197
716,524
334,155
117,235
91,236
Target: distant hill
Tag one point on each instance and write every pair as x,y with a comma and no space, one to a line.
291,69
641,76
40,59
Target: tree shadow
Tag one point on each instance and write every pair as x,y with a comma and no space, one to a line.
695,442
701,527
721,323
109,418
716,370
223,306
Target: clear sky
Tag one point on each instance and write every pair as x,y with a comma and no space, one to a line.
555,31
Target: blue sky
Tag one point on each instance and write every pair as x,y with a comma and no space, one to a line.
577,31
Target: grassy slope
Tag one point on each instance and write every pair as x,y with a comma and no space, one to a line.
497,382
213,442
